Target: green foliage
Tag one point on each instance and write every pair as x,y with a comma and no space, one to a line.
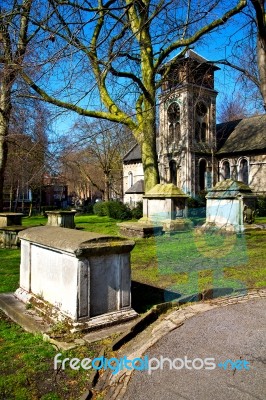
87,208
137,212
197,206
112,209
261,206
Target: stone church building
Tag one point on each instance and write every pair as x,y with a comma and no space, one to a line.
194,152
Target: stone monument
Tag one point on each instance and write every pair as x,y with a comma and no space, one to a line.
81,277
164,210
230,204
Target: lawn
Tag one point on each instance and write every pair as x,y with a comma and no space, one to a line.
163,268
169,267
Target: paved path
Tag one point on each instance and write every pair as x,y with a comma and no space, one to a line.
234,332
223,328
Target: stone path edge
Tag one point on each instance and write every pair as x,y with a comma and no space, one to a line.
116,385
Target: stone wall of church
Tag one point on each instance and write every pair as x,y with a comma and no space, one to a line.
131,174
251,169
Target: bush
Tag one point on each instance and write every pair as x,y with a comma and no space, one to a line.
100,209
197,206
261,206
112,209
137,212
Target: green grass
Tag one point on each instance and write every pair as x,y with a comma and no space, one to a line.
9,270
26,369
187,262
162,268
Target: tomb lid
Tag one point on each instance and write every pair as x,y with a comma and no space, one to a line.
230,188
166,190
61,212
76,242
11,214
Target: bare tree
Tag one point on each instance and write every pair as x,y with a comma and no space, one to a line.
14,39
97,154
106,57
248,55
27,144
233,108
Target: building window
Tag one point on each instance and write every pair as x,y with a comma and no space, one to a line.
201,126
173,114
225,171
243,171
202,174
173,172
130,179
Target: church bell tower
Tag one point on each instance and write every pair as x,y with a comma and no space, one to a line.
187,126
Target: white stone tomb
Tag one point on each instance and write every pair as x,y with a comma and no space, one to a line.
82,276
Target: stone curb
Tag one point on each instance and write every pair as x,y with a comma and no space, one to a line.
156,311
116,385
94,378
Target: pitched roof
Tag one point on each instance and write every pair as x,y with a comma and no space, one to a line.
138,187
133,154
243,135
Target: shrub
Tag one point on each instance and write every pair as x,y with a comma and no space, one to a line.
100,209
261,206
197,206
137,212
112,209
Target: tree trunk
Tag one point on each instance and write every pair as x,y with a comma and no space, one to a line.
106,187
148,149
3,152
261,54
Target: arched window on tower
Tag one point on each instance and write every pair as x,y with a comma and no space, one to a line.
173,172
173,115
225,171
202,174
201,126
243,171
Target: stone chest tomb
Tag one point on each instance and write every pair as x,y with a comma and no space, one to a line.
84,277
230,204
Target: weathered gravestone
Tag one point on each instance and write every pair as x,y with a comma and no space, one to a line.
64,219
79,276
230,204
10,226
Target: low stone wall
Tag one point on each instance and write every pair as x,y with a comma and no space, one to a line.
84,276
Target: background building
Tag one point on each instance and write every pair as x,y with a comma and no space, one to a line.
193,151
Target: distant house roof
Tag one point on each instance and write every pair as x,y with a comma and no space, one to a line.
138,187
248,134
133,155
